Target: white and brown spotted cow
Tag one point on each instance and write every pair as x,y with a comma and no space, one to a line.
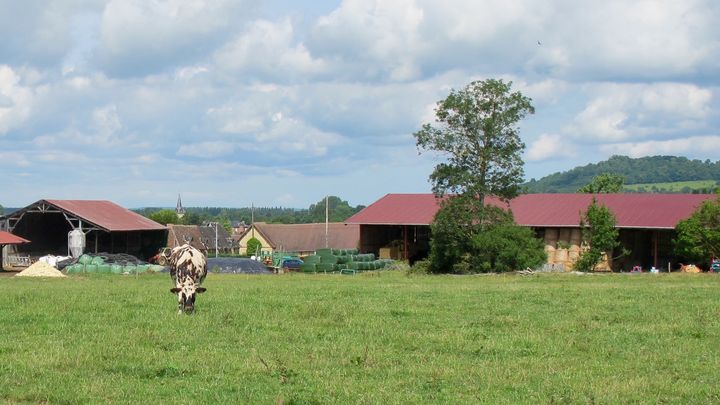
187,269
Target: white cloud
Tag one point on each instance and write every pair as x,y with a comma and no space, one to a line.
690,146
624,111
270,50
139,37
15,100
550,146
206,149
377,37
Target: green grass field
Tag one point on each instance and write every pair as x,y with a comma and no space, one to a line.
674,187
370,338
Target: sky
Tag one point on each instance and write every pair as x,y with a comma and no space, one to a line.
279,103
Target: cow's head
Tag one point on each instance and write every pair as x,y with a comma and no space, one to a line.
186,292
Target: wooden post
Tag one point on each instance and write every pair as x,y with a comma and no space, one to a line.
405,248
655,249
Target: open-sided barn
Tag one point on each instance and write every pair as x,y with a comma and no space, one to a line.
107,227
646,223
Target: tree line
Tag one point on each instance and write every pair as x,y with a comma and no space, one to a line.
338,210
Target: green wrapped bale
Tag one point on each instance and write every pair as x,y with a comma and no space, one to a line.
74,268
308,268
103,268
142,268
91,268
97,260
116,268
85,259
328,259
324,252
130,268
156,268
312,259
326,267
343,259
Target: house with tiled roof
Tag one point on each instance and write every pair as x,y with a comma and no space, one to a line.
646,223
302,239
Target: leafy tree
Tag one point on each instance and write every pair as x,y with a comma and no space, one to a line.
165,217
463,245
604,183
339,210
599,234
476,130
253,246
698,237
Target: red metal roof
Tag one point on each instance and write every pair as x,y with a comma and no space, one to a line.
662,211
107,215
6,238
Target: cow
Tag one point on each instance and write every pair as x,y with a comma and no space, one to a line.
188,270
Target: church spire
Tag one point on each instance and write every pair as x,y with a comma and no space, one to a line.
179,210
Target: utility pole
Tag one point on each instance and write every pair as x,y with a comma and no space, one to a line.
327,211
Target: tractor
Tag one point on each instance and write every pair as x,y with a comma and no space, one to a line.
162,257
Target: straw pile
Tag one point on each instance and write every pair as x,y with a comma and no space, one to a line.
40,269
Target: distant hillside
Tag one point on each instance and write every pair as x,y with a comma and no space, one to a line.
645,171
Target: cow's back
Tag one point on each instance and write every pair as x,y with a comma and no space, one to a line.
187,261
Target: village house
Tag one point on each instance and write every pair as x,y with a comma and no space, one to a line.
302,239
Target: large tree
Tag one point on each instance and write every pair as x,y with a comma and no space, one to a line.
698,237
599,234
604,183
476,130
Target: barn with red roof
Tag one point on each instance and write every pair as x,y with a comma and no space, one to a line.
646,223
107,227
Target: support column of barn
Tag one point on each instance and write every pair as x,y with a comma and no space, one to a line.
406,256
655,249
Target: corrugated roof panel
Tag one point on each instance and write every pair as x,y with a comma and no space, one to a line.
631,210
6,238
107,215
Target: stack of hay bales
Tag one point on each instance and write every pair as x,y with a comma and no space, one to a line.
551,239
341,260
99,265
564,247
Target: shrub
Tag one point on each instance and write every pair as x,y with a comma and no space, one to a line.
462,244
419,267
253,246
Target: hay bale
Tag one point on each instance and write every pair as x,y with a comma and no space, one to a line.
561,256
550,252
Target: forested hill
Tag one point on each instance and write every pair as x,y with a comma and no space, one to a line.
652,169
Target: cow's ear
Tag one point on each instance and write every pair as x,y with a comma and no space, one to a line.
201,290
175,290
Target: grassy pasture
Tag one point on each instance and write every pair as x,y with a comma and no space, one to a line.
370,338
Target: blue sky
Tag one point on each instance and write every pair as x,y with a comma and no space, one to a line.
279,103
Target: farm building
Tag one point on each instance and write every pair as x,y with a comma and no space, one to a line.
303,239
200,237
106,226
399,224
10,240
